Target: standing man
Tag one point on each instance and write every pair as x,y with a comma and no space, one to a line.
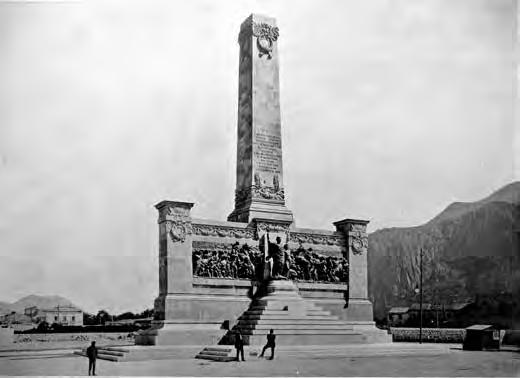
239,344
92,355
270,344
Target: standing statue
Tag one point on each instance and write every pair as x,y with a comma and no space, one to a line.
258,182
276,253
268,263
276,183
196,263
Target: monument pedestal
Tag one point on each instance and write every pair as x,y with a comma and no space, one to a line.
169,332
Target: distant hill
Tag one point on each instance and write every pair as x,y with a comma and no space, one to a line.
40,301
5,307
470,249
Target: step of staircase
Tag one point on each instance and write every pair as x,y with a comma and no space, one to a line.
293,321
100,357
110,353
117,349
299,331
244,327
320,338
113,354
284,312
222,354
286,316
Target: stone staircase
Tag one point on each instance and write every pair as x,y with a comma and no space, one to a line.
113,354
294,321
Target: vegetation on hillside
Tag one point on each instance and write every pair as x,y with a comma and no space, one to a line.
470,251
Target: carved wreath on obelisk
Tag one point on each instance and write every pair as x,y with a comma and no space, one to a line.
265,36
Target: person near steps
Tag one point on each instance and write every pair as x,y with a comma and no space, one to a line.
92,355
270,343
239,345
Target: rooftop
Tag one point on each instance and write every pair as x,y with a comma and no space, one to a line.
398,310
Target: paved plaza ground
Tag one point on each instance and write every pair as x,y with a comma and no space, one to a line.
433,360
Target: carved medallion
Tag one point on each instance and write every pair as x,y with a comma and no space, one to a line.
358,243
358,239
178,230
265,35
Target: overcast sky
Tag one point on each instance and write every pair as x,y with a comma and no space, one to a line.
391,110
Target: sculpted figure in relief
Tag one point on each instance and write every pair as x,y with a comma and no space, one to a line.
246,262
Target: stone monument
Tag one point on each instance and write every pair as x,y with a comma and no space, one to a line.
213,273
259,186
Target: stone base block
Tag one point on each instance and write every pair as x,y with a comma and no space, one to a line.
262,210
202,308
371,333
338,338
171,333
357,310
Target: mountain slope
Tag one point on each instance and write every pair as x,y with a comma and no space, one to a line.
468,251
40,301
5,307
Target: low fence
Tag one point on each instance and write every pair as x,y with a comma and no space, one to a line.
121,328
21,338
429,335
512,337
6,336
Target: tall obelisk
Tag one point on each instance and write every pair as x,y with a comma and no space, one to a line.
259,187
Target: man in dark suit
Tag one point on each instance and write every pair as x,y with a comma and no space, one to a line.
239,344
92,355
270,344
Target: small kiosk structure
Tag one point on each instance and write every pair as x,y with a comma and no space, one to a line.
481,337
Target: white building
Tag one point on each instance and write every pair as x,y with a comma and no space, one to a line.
64,315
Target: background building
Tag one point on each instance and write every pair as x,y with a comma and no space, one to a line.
64,315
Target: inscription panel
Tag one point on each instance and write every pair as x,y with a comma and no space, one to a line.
268,151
